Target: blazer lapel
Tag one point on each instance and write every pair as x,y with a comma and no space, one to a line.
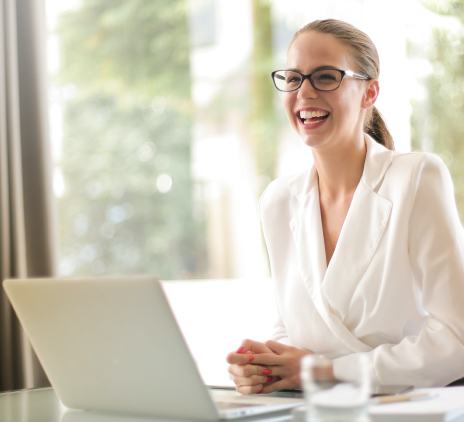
306,228
361,232
332,288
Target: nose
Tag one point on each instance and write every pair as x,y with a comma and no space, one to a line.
307,90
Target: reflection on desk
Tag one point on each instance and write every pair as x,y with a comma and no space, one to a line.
444,405
43,405
82,416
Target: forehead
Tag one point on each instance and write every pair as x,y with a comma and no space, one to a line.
313,49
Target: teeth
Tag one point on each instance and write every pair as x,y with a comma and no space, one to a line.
311,122
310,114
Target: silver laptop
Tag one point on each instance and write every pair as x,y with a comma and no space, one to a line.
113,344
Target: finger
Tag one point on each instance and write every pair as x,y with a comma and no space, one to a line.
276,371
253,347
268,359
240,358
246,358
249,389
275,346
253,380
276,386
271,380
248,370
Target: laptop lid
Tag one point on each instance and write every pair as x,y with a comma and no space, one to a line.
112,345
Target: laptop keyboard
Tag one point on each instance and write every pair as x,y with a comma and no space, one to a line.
224,405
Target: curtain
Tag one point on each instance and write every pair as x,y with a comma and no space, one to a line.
27,223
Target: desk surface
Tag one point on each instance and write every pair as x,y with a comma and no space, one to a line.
31,406
43,405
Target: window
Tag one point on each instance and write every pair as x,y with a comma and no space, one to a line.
166,127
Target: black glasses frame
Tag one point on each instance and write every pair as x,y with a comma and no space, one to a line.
310,78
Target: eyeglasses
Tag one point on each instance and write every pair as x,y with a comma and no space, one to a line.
321,80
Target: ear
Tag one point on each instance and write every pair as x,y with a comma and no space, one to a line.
370,94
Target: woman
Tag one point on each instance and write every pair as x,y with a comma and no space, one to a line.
366,247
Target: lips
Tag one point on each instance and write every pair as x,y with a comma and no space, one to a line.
309,117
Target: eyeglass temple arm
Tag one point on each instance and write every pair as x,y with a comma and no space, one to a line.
355,75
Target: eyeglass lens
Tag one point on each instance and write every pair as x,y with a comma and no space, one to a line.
324,80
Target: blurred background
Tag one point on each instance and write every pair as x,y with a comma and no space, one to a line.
166,127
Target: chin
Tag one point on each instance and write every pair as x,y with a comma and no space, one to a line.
313,141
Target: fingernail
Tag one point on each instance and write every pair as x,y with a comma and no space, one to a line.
267,371
239,350
250,358
269,379
260,392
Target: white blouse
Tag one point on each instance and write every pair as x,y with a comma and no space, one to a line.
394,288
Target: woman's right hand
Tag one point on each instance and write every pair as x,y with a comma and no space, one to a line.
249,378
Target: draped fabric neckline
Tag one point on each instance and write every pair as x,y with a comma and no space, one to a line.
331,287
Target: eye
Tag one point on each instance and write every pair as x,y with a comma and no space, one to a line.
327,80
325,77
291,79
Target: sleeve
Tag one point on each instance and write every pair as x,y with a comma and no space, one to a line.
280,332
434,357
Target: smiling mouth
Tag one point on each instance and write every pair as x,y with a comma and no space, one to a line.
312,117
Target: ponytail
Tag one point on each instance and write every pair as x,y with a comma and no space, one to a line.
375,127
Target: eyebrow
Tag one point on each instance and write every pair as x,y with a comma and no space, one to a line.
325,67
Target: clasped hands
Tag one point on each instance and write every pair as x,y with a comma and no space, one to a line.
265,367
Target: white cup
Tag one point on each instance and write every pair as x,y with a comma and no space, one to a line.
331,400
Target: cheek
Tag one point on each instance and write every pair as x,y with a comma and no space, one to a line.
288,100
349,105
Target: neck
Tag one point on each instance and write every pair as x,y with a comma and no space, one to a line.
340,168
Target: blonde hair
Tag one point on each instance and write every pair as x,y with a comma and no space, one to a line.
367,63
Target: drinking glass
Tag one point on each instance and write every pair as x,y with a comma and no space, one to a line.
329,400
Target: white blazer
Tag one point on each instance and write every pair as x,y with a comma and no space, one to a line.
394,288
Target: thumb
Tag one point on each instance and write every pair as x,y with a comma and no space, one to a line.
277,347
253,347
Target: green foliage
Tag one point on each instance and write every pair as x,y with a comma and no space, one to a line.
127,134
263,120
446,7
136,45
437,121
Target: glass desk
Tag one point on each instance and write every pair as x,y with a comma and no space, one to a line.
43,405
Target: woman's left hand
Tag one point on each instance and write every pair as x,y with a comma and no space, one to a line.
284,363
